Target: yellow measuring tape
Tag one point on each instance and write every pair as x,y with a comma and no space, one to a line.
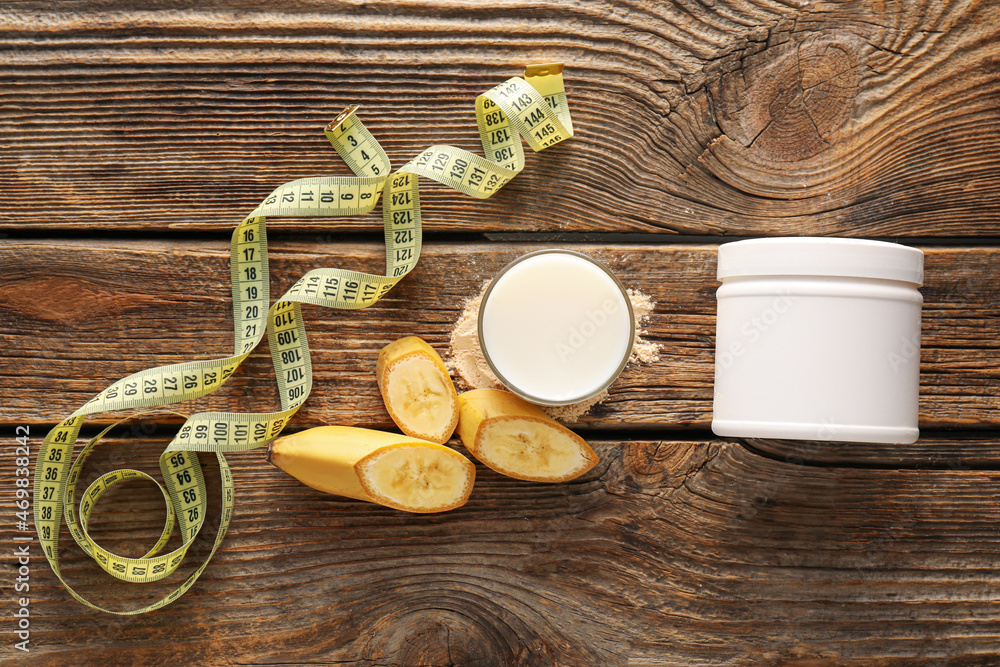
533,108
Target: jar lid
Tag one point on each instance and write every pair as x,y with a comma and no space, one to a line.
821,256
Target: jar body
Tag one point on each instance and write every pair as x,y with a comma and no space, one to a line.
817,358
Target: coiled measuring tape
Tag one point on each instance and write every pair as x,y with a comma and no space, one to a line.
533,108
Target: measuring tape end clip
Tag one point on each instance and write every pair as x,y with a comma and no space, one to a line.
344,115
546,69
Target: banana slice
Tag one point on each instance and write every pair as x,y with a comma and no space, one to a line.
397,471
417,390
519,440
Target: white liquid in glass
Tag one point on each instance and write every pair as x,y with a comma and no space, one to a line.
556,327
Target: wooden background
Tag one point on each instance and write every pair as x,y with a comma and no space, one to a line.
133,140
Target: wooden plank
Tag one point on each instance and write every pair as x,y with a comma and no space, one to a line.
77,315
740,118
669,552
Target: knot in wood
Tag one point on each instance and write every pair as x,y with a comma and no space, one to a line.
783,111
440,638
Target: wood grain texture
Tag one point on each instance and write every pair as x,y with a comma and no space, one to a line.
679,553
745,118
155,128
78,315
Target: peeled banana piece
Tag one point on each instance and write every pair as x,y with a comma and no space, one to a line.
417,389
517,439
397,471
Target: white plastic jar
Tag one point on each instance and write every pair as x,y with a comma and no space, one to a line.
818,339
